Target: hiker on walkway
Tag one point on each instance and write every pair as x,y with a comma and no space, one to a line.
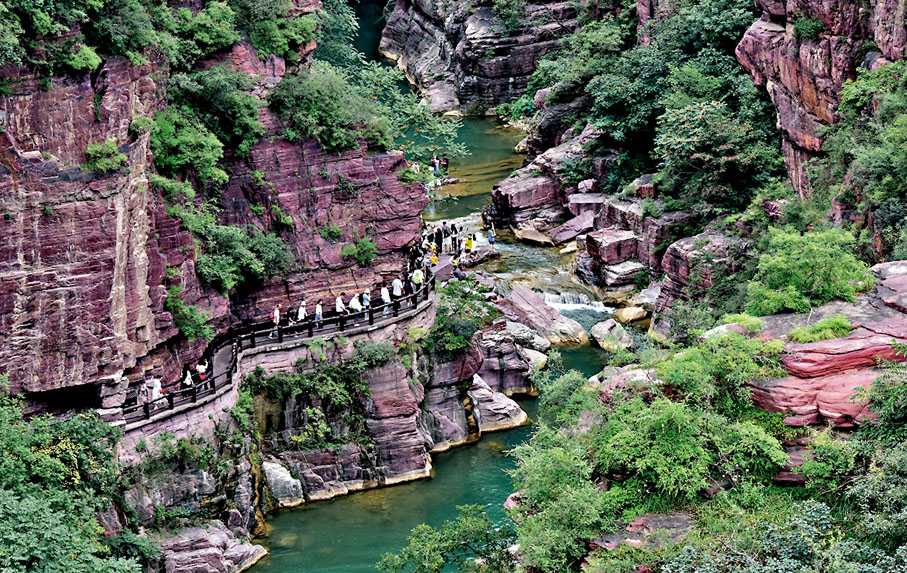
385,299
397,288
339,307
407,286
447,245
418,278
202,370
301,313
275,318
187,380
154,391
355,307
366,303
319,314
439,240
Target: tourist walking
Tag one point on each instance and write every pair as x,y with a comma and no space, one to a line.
397,288
319,314
491,238
202,370
439,240
301,313
386,299
275,318
355,307
418,278
187,380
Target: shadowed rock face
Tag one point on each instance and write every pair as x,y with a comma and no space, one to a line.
460,56
804,76
84,257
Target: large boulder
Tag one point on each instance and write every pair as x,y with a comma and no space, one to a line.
572,228
494,410
206,549
630,314
863,348
286,488
505,367
525,305
611,336
526,337
809,401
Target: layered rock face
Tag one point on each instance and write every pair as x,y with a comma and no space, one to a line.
804,76
826,376
85,257
460,56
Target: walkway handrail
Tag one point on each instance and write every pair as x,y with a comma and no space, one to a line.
244,337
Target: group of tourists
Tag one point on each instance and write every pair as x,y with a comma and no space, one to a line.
461,245
355,307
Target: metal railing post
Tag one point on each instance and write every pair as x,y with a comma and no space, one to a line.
311,328
371,315
147,407
279,334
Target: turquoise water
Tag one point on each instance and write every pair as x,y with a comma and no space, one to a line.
490,160
349,534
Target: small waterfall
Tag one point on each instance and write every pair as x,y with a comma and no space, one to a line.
575,301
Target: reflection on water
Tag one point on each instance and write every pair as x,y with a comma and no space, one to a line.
490,160
352,532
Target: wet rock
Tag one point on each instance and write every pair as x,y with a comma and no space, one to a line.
533,237
331,472
611,336
572,228
286,488
526,306
629,314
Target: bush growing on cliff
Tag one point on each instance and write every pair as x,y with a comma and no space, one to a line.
797,272
810,28
364,251
462,311
835,326
104,157
191,322
219,98
274,28
183,145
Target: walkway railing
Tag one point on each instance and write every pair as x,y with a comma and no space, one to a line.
253,335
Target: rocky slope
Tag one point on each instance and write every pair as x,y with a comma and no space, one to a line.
462,58
803,76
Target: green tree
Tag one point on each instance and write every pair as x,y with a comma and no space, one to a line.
797,272
473,542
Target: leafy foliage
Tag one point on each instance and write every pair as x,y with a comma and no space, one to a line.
885,397
183,145
274,28
104,157
835,326
55,475
462,311
364,251
798,271
191,322
472,537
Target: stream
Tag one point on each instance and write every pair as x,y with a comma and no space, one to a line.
351,533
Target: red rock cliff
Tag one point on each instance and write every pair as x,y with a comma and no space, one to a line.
804,76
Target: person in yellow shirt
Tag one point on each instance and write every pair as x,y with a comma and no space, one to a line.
468,243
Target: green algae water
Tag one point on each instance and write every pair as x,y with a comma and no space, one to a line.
351,533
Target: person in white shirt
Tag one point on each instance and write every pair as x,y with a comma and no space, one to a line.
275,317
301,314
385,299
202,370
338,304
397,287
355,307
154,391
319,315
